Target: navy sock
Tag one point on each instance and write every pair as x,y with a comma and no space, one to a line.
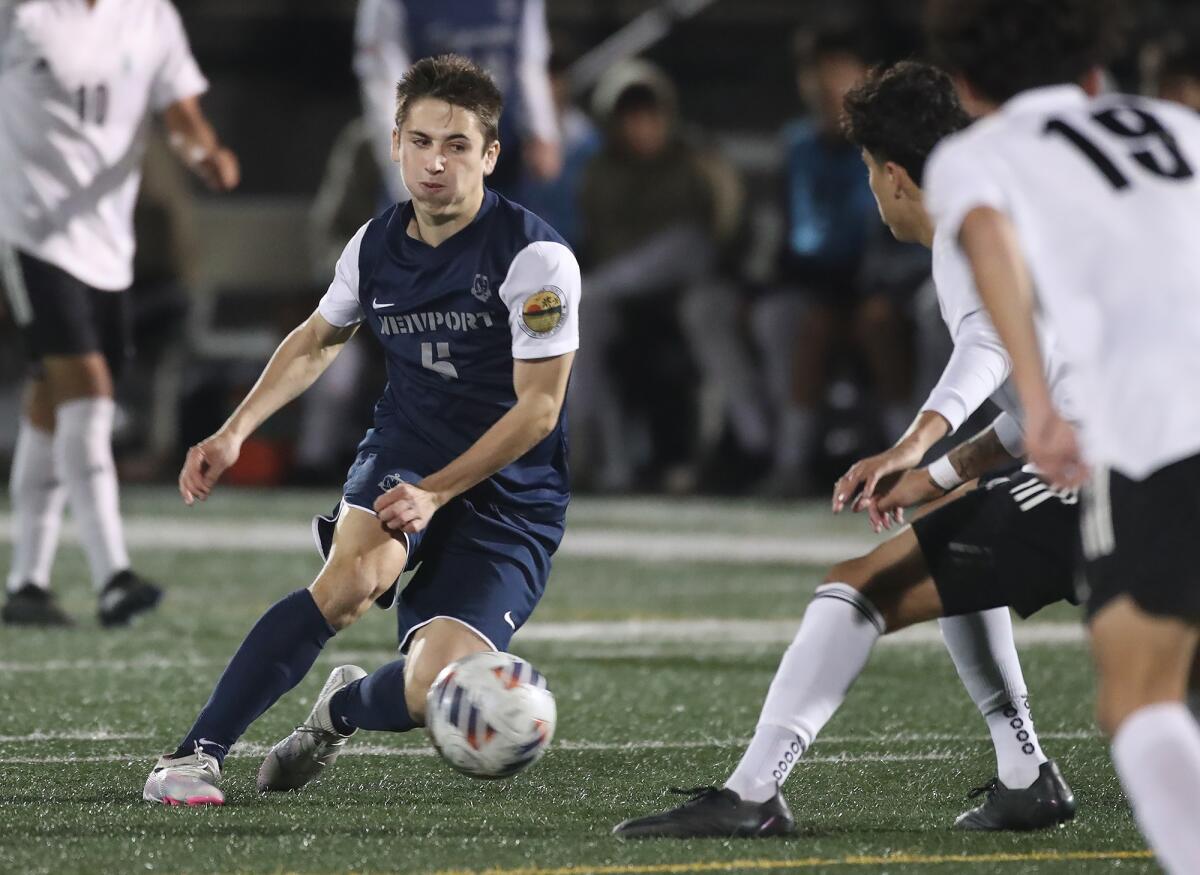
375,702
274,657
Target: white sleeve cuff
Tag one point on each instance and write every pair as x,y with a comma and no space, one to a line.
949,405
541,292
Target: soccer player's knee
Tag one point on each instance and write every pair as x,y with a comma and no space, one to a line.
416,687
345,590
852,572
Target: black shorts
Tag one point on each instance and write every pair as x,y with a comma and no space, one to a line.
1141,538
1009,543
60,315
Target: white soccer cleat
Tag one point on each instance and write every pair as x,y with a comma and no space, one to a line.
313,745
190,780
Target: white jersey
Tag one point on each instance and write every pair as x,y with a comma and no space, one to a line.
1104,194
76,85
979,367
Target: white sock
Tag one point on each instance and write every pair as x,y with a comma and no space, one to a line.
797,432
37,504
83,456
985,655
1156,752
829,651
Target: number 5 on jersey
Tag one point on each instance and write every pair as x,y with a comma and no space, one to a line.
442,363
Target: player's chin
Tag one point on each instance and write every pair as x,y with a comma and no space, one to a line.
433,196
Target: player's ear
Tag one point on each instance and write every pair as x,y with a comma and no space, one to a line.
902,183
490,154
396,145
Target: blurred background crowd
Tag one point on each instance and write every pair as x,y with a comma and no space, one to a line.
749,325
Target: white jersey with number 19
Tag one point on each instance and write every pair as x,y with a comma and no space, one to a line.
76,84
1104,194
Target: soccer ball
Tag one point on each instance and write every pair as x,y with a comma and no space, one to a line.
490,714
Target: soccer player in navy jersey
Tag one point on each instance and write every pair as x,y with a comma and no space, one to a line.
475,301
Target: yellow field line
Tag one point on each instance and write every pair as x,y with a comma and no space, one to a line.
810,863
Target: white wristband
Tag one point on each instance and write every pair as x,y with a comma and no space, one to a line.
943,474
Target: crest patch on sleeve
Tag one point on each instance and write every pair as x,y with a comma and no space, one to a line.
543,312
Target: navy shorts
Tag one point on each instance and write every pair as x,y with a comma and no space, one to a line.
480,564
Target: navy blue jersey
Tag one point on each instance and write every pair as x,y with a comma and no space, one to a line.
451,320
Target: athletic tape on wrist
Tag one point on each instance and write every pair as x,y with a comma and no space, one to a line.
943,474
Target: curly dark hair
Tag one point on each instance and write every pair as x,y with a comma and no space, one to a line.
900,113
1004,47
458,81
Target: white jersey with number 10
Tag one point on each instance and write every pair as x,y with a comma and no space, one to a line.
77,82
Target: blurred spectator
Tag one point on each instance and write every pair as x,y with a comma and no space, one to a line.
507,37
830,295
659,217
1179,70
556,199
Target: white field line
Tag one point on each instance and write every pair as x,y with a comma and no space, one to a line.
82,735
255,749
651,634
203,534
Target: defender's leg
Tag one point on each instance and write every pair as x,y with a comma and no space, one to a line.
1143,663
280,650
38,498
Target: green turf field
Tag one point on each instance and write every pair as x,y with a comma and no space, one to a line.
659,666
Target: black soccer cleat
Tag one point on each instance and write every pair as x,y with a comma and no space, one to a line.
1047,802
713,813
125,596
33,606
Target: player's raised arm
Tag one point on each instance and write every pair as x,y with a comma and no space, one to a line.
175,89
990,244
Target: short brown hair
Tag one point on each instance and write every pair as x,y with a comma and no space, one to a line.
1004,47
459,82
900,113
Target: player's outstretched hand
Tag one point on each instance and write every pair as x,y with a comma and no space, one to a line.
1054,448
220,169
894,494
204,465
867,474
406,508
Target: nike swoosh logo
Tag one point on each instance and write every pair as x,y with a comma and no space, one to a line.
508,619
378,306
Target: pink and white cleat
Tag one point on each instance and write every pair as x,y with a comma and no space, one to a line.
189,780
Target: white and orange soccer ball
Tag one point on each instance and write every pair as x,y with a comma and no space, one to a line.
490,715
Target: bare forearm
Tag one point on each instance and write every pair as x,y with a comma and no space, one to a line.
295,365
189,133
926,430
982,453
514,434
